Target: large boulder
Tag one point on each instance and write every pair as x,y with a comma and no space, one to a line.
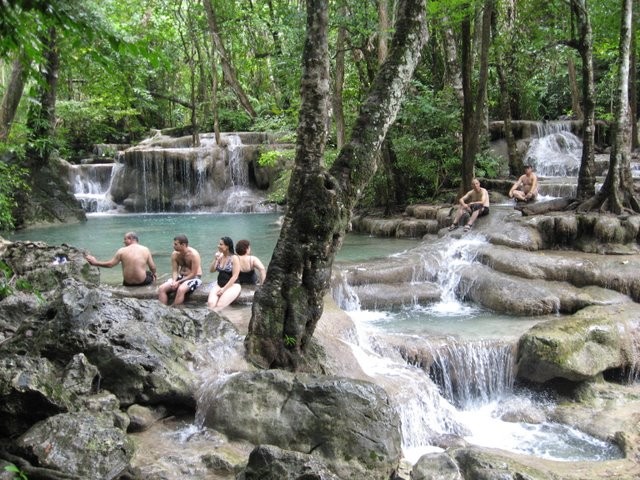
268,462
86,445
143,350
583,346
42,268
349,424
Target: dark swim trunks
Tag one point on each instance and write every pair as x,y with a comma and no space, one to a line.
148,280
483,210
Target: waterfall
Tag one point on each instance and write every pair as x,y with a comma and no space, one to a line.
238,172
555,152
91,185
471,373
457,255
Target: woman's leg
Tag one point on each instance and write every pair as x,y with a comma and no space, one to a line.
229,295
212,299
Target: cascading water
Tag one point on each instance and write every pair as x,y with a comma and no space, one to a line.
465,384
91,185
555,152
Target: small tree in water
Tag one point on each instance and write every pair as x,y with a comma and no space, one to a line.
288,306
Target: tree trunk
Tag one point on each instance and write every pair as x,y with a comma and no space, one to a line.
515,162
227,68
383,29
12,96
41,116
633,81
573,85
288,306
474,105
338,106
453,71
616,194
584,45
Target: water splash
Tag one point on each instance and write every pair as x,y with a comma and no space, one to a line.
457,255
556,152
471,373
91,185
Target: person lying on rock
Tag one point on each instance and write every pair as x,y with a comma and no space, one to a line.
135,259
186,272
526,187
475,203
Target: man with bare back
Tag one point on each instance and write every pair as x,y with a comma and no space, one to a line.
186,272
526,187
135,259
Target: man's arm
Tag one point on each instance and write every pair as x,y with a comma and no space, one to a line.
462,200
150,263
515,186
175,270
108,264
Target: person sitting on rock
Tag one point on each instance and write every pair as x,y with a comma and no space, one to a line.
526,187
138,267
475,203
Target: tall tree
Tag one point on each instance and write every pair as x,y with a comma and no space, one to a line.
227,67
616,194
584,45
288,306
12,94
41,120
474,98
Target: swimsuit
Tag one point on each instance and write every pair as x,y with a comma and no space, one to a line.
193,283
224,272
249,277
147,280
483,210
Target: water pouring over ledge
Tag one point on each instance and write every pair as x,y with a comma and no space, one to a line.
464,371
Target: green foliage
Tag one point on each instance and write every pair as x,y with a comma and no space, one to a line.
18,474
8,283
488,165
290,341
83,124
426,141
12,181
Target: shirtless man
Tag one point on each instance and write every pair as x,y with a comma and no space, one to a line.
526,187
186,271
135,259
475,202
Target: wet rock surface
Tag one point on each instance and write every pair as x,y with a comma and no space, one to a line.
74,352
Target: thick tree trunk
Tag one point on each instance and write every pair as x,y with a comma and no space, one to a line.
12,96
41,117
586,175
616,194
227,68
573,85
452,71
288,306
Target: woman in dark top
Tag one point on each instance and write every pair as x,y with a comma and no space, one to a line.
248,265
225,290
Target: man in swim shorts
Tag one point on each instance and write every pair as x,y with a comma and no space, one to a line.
135,259
186,272
475,202
526,187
